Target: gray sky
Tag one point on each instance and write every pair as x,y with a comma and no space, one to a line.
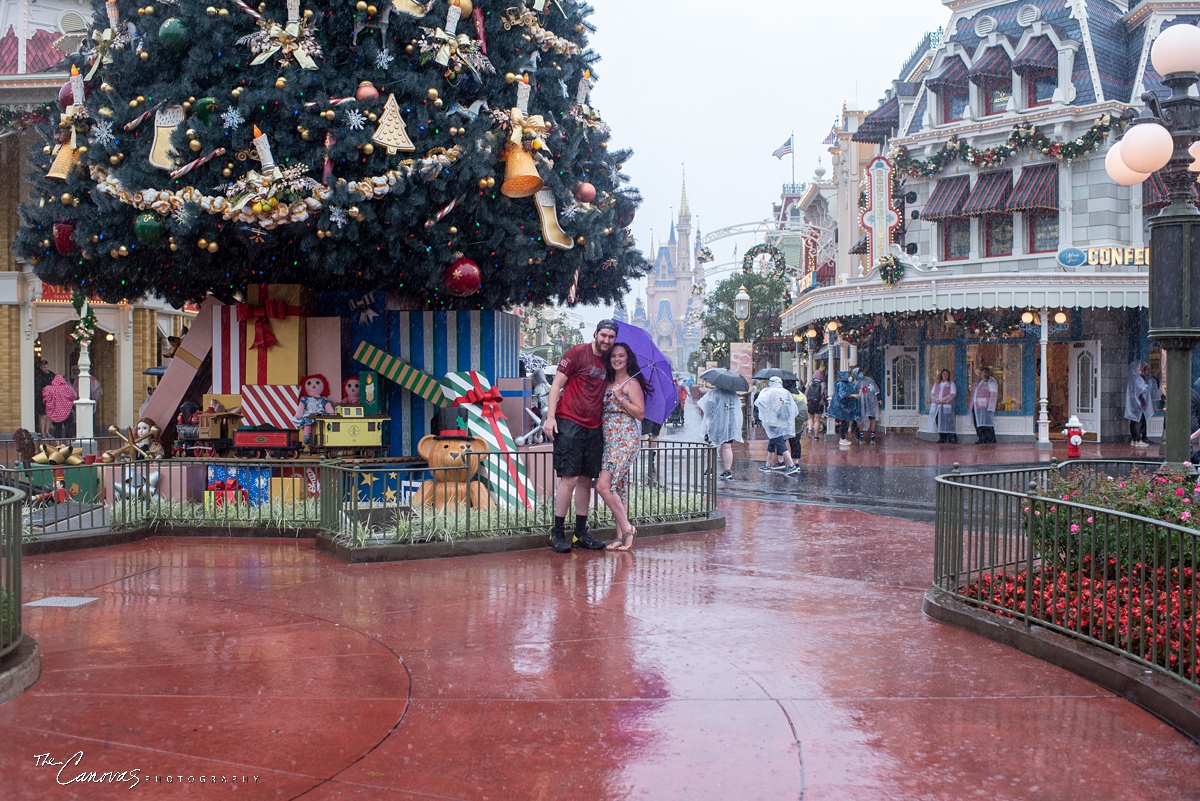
690,84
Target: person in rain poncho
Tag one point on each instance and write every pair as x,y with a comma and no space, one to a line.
815,394
777,413
1137,404
983,407
941,409
844,406
60,400
721,410
868,404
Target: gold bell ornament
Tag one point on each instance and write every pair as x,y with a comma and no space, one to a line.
521,178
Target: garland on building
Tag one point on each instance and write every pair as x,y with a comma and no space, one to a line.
15,118
891,270
778,261
1022,137
85,330
857,329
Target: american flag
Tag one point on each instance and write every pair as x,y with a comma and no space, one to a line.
784,149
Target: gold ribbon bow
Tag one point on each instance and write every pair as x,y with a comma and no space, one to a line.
451,45
256,186
103,41
536,125
287,38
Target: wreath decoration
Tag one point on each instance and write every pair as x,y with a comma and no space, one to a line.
777,258
891,269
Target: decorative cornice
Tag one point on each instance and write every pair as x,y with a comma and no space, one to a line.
1003,123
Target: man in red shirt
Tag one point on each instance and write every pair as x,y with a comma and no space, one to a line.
573,421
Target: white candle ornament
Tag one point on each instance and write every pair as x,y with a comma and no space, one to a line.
453,15
263,148
76,86
523,95
585,86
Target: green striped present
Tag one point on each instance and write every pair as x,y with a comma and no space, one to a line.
401,372
504,475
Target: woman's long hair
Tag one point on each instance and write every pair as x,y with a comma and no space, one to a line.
631,367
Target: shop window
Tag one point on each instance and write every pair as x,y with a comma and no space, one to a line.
1005,362
954,103
996,94
902,392
998,233
938,358
1085,375
1041,86
956,239
1043,231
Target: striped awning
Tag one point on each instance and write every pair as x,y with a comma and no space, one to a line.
1037,188
878,125
1039,54
1154,192
860,246
953,72
990,195
947,198
994,64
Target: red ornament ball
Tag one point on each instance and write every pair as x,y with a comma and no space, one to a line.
66,97
585,192
463,278
63,242
366,93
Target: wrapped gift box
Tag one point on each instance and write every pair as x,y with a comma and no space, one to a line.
276,338
254,481
214,499
288,490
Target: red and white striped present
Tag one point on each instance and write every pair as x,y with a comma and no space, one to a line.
270,404
229,352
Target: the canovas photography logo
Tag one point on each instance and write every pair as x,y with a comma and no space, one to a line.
72,771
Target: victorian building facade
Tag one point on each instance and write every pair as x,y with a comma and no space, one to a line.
994,237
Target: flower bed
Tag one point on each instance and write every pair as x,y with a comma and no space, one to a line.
1145,612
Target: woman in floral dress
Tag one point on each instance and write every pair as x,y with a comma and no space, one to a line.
624,408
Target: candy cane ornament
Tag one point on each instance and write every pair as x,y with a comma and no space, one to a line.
200,162
441,215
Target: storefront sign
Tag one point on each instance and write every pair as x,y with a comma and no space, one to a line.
741,359
880,217
1105,257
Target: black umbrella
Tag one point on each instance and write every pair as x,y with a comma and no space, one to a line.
775,372
725,379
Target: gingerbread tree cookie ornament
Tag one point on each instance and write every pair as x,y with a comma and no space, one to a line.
391,132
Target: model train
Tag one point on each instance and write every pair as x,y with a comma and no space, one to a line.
348,434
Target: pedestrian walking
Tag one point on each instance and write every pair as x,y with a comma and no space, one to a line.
577,397
941,409
1138,403
777,411
815,395
60,400
868,405
793,388
844,406
41,379
721,413
983,407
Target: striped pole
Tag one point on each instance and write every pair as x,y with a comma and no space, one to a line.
505,474
388,366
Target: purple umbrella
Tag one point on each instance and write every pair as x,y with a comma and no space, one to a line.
655,368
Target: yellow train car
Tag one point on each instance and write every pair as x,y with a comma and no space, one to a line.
350,433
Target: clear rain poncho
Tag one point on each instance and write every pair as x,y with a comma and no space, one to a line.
776,412
722,416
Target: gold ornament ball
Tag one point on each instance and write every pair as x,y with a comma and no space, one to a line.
81,150
510,78
373,116
150,11
226,173
106,87
47,150
608,232
308,13
113,253
106,112
122,251
212,247
491,182
45,243
237,91
433,94
133,104
368,148
483,183
604,145
187,105
141,99
211,11
320,234
361,5
190,133
453,131
580,28
306,135
438,103
280,82
408,49
352,211
144,56
202,243
262,7
94,239
67,198
580,240
195,145
224,12
174,247
372,11
453,230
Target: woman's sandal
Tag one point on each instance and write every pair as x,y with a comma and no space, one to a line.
626,540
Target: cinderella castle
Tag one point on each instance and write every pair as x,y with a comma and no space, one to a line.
669,297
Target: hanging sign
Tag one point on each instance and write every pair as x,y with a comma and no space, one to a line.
880,217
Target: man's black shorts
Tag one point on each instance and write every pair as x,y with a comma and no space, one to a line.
577,450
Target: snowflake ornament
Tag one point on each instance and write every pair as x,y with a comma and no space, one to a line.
183,216
337,215
101,133
355,119
231,119
384,59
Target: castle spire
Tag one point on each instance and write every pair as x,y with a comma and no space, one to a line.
684,211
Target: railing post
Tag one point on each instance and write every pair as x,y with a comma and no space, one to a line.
1030,497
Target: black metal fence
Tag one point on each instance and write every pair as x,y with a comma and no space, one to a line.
10,569
1016,543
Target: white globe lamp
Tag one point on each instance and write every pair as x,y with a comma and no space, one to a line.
1146,147
1194,152
1118,172
1177,49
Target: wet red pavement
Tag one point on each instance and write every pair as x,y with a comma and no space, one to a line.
785,658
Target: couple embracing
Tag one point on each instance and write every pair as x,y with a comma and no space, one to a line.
596,405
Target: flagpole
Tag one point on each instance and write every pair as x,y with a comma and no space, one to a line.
793,141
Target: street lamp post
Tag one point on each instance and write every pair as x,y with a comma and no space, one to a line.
741,310
1166,136
1039,324
797,338
811,336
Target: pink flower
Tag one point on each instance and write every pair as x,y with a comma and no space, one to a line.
1187,500
1089,520
1075,528
1179,492
1122,484
1185,516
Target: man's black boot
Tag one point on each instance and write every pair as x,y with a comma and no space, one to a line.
558,537
582,538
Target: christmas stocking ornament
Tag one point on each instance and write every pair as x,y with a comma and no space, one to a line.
166,120
552,232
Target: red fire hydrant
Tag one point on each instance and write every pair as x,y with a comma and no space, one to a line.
1074,433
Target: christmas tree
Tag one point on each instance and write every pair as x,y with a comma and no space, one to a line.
426,149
